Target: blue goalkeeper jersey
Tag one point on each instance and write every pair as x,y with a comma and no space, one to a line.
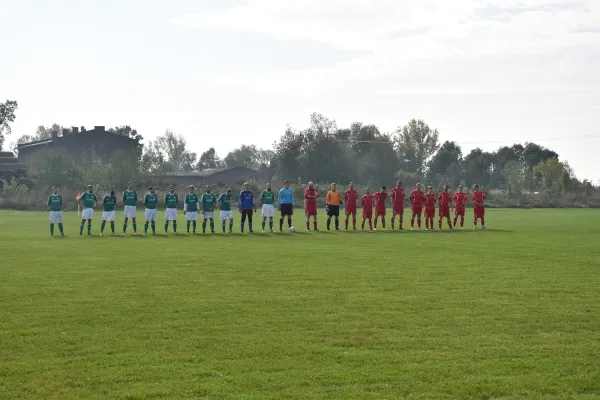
246,200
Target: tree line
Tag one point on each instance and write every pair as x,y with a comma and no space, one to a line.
321,152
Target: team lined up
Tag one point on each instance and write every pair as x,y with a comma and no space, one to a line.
207,203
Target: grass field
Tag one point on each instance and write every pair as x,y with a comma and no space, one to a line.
509,313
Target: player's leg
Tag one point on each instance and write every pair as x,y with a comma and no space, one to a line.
51,223
354,220
243,221
134,223
147,223
264,218
419,218
315,224
307,221
400,218
412,219
103,224
383,220
329,215
60,225
153,221
482,217
271,223
393,219
474,218
281,220
188,221
347,220
289,218
125,222
231,223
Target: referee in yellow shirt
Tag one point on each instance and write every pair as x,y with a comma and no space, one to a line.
333,202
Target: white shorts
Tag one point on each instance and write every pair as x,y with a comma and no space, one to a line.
129,211
109,216
268,210
171,214
226,215
87,213
56,217
191,216
209,215
150,214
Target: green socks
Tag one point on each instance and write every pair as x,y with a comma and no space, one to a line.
231,226
134,227
89,227
146,227
271,225
102,226
212,226
263,225
174,226
194,226
52,229
124,228
224,225
204,227
153,224
60,228
112,227
81,227
188,226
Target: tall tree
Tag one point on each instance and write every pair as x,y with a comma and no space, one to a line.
445,166
209,159
478,167
416,142
41,133
249,156
551,173
173,149
7,117
287,150
533,154
517,174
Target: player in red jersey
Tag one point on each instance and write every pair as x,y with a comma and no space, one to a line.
444,207
367,204
429,202
416,200
478,199
398,204
380,198
460,201
310,205
351,198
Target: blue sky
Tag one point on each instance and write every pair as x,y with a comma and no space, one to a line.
227,72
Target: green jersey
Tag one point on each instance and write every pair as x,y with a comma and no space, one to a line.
150,201
130,197
88,199
55,202
268,197
225,202
110,202
209,200
191,202
171,200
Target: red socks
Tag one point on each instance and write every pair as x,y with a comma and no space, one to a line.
315,224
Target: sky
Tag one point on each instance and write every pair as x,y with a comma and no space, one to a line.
222,73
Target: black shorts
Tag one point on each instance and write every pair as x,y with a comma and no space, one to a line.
286,209
333,211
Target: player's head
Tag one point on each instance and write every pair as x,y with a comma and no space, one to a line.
311,185
334,186
191,188
151,189
268,187
246,186
368,191
461,188
130,186
54,190
399,184
446,188
207,188
382,189
286,184
90,188
351,185
112,192
429,189
475,187
228,192
172,189
418,186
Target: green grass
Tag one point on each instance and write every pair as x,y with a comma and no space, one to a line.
509,313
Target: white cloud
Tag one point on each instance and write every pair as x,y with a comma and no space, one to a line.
3,12
397,34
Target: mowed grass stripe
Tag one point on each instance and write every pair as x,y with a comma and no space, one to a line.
511,312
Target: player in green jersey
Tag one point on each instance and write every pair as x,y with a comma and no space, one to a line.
150,201
108,214
267,198
130,199
190,208
226,212
208,202
171,202
89,201
55,205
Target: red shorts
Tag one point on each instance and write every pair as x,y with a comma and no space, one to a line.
311,211
367,214
479,212
417,210
459,211
444,212
350,211
380,212
429,212
398,209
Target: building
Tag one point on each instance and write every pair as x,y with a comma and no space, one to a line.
97,143
235,176
8,161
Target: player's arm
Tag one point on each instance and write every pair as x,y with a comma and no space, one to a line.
185,205
95,201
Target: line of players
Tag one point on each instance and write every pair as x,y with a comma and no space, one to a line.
420,201
208,202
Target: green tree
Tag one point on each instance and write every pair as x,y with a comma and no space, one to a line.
551,173
172,148
517,175
128,131
445,166
478,166
416,142
7,117
209,159
41,133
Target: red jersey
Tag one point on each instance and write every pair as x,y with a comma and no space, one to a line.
460,199
380,200
444,200
417,198
429,200
398,195
367,202
478,198
350,197
310,203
